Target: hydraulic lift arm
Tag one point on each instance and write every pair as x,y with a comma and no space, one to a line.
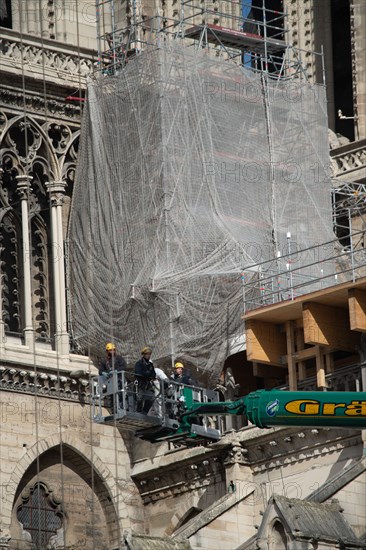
267,408
181,411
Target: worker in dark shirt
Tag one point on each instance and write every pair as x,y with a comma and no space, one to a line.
180,376
145,376
112,361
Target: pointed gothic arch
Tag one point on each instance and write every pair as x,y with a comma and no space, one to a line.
80,461
28,147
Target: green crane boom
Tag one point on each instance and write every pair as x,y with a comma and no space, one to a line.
180,410
266,408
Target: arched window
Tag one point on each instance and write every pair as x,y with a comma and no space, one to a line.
278,538
40,515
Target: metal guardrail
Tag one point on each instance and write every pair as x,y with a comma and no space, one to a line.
124,398
269,283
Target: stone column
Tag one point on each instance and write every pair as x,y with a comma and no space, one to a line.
23,188
33,15
56,190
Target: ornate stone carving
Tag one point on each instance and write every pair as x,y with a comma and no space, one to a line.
349,161
42,150
50,385
35,103
32,54
237,454
177,480
10,253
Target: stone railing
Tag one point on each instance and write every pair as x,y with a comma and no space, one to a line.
45,58
45,384
349,161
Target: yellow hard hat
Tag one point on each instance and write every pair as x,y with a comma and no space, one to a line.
179,365
110,347
145,350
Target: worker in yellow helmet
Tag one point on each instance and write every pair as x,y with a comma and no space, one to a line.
112,361
180,376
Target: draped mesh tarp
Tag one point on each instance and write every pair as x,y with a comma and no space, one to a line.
190,170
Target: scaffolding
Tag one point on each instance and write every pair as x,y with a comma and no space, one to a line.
349,212
253,37
203,185
191,169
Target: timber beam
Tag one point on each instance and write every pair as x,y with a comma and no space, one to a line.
265,342
328,326
357,309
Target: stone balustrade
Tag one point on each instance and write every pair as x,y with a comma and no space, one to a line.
349,161
44,57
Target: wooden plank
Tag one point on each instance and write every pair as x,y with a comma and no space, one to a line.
357,309
328,326
299,335
265,343
320,371
290,340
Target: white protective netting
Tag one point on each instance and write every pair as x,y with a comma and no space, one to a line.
190,170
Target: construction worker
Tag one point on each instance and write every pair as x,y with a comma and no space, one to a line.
180,376
145,375
112,361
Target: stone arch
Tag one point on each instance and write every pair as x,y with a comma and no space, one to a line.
78,457
277,537
28,153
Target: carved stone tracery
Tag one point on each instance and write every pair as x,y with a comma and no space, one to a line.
44,150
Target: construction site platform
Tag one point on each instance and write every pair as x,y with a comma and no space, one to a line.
239,40
130,420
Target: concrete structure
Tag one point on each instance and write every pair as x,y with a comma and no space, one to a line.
67,482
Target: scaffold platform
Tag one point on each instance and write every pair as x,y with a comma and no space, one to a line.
239,40
130,421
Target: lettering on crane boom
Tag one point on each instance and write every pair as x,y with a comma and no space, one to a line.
312,407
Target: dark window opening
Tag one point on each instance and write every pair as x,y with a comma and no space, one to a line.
5,14
12,277
272,12
342,66
260,12
40,515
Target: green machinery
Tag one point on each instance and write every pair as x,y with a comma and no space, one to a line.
181,412
267,408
